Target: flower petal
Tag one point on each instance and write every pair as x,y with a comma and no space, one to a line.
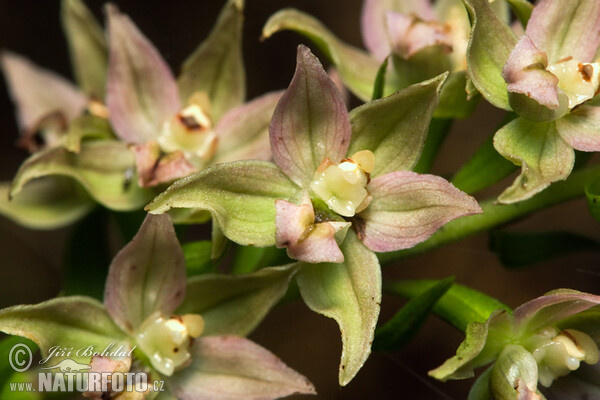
394,128
525,73
154,169
87,45
515,375
408,207
240,197
243,132
304,239
141,90
147,275
236,304
38,93
234,368
310,122
373,21
543,155
581,128
216,67
553,307
409,34
350,293
566,28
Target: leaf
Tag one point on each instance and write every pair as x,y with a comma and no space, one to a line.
522,9
460,305
216,67
356,68
46,203
240,197
87,45
592,193
141,92
394,128
310,122
197,257
16,356
243,132
489,47
147,275
483,169
407,208
402,327
103,168
236,304
380,80
86,127
232,368
350,293
517,249
77,322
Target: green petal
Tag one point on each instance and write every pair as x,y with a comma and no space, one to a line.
240,196
236,304
350,293
48,203
356,68
514,375
543,155
216,67
76,322
489,47
87,45
103,168
394,128
454,99
86,127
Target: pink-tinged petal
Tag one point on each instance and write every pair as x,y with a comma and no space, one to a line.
141,92
408,207
101,365
235,368
581,128
147,275
566,28
154,169
525,73
305,240
372,22
243,132
310,122
39,93
553,307
409,34
336,78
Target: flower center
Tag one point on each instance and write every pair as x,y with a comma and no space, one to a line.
343,186
559,353
579,81
190,131
167,340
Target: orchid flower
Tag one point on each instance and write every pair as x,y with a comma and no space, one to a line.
339,189
550,78
188,341
543,341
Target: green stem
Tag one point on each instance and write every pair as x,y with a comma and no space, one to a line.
497,214
438,130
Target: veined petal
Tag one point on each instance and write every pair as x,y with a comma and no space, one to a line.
373,21
409,34
38,93
304,239
234,368
566,28
310,122
408,207
141,93
243,132
515,375
147,275
581,128
543,155
154,169
525,73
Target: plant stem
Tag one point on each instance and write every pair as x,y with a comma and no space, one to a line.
438,130
497,214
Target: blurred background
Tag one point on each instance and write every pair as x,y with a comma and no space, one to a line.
31,264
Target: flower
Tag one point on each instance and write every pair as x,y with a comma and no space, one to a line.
543,341
549,78
144,316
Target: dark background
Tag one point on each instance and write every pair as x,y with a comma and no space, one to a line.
30,262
